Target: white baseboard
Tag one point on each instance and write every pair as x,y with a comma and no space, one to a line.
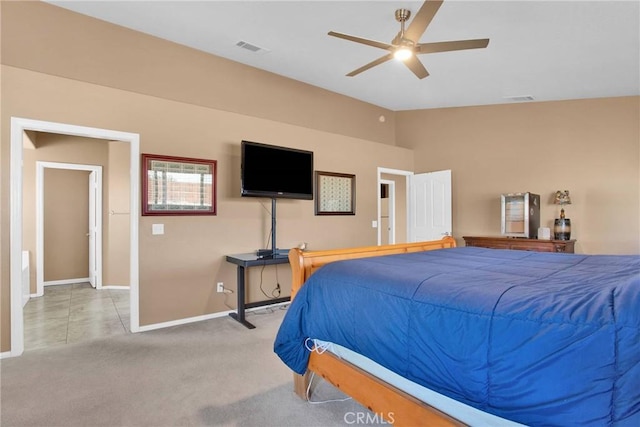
184,321
116,287
187,320
66,281
5,354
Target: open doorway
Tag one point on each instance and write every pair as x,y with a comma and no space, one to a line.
20,130
70,197
387,222
421,206
393,208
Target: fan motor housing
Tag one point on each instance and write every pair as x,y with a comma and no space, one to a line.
402,15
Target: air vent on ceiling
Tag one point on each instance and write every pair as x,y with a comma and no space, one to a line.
520,98
251,47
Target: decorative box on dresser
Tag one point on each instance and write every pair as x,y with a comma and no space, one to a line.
521,244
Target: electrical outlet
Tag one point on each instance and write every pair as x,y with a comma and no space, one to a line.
220,287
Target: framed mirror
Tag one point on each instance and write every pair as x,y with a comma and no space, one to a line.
178,185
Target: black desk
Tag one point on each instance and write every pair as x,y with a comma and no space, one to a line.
251,260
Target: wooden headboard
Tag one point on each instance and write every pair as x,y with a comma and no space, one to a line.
304,264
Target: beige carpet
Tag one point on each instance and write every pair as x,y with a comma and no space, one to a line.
211,373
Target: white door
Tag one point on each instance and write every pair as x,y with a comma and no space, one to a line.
430,206
92,234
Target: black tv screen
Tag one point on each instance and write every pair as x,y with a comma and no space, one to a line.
276,172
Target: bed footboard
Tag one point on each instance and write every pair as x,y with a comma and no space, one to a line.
304,264
394,405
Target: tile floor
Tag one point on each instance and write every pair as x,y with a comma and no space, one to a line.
74,313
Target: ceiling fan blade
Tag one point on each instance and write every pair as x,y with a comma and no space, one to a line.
421,20
361,40
371,64
416,66
449,46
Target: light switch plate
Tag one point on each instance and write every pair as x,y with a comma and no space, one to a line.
157,229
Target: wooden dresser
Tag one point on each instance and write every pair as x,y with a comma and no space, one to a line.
521,244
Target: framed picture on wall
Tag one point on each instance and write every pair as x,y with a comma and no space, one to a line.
178,185
335,193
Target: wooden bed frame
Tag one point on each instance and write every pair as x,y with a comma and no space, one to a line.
383,399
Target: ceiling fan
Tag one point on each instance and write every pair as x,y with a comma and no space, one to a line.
405,46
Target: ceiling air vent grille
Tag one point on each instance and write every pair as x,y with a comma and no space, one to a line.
251,47
519,98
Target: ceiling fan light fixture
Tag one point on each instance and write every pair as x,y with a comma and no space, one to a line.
403,54
405,45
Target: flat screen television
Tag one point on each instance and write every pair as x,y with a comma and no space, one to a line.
276,172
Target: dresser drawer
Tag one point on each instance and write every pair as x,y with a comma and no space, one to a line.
521,244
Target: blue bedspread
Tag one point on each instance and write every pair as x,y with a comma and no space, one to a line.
537,338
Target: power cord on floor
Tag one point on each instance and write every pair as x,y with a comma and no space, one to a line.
316,402
313,345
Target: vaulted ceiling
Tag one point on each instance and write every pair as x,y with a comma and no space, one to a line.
538,50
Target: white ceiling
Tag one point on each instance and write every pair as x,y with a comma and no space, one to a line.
550,50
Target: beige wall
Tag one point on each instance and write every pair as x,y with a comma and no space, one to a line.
63,67
589,147
179,269
41,37
117,237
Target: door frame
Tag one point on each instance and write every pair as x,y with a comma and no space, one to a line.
407,175
95,211
18,128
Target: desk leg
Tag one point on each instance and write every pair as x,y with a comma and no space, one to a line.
239,315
